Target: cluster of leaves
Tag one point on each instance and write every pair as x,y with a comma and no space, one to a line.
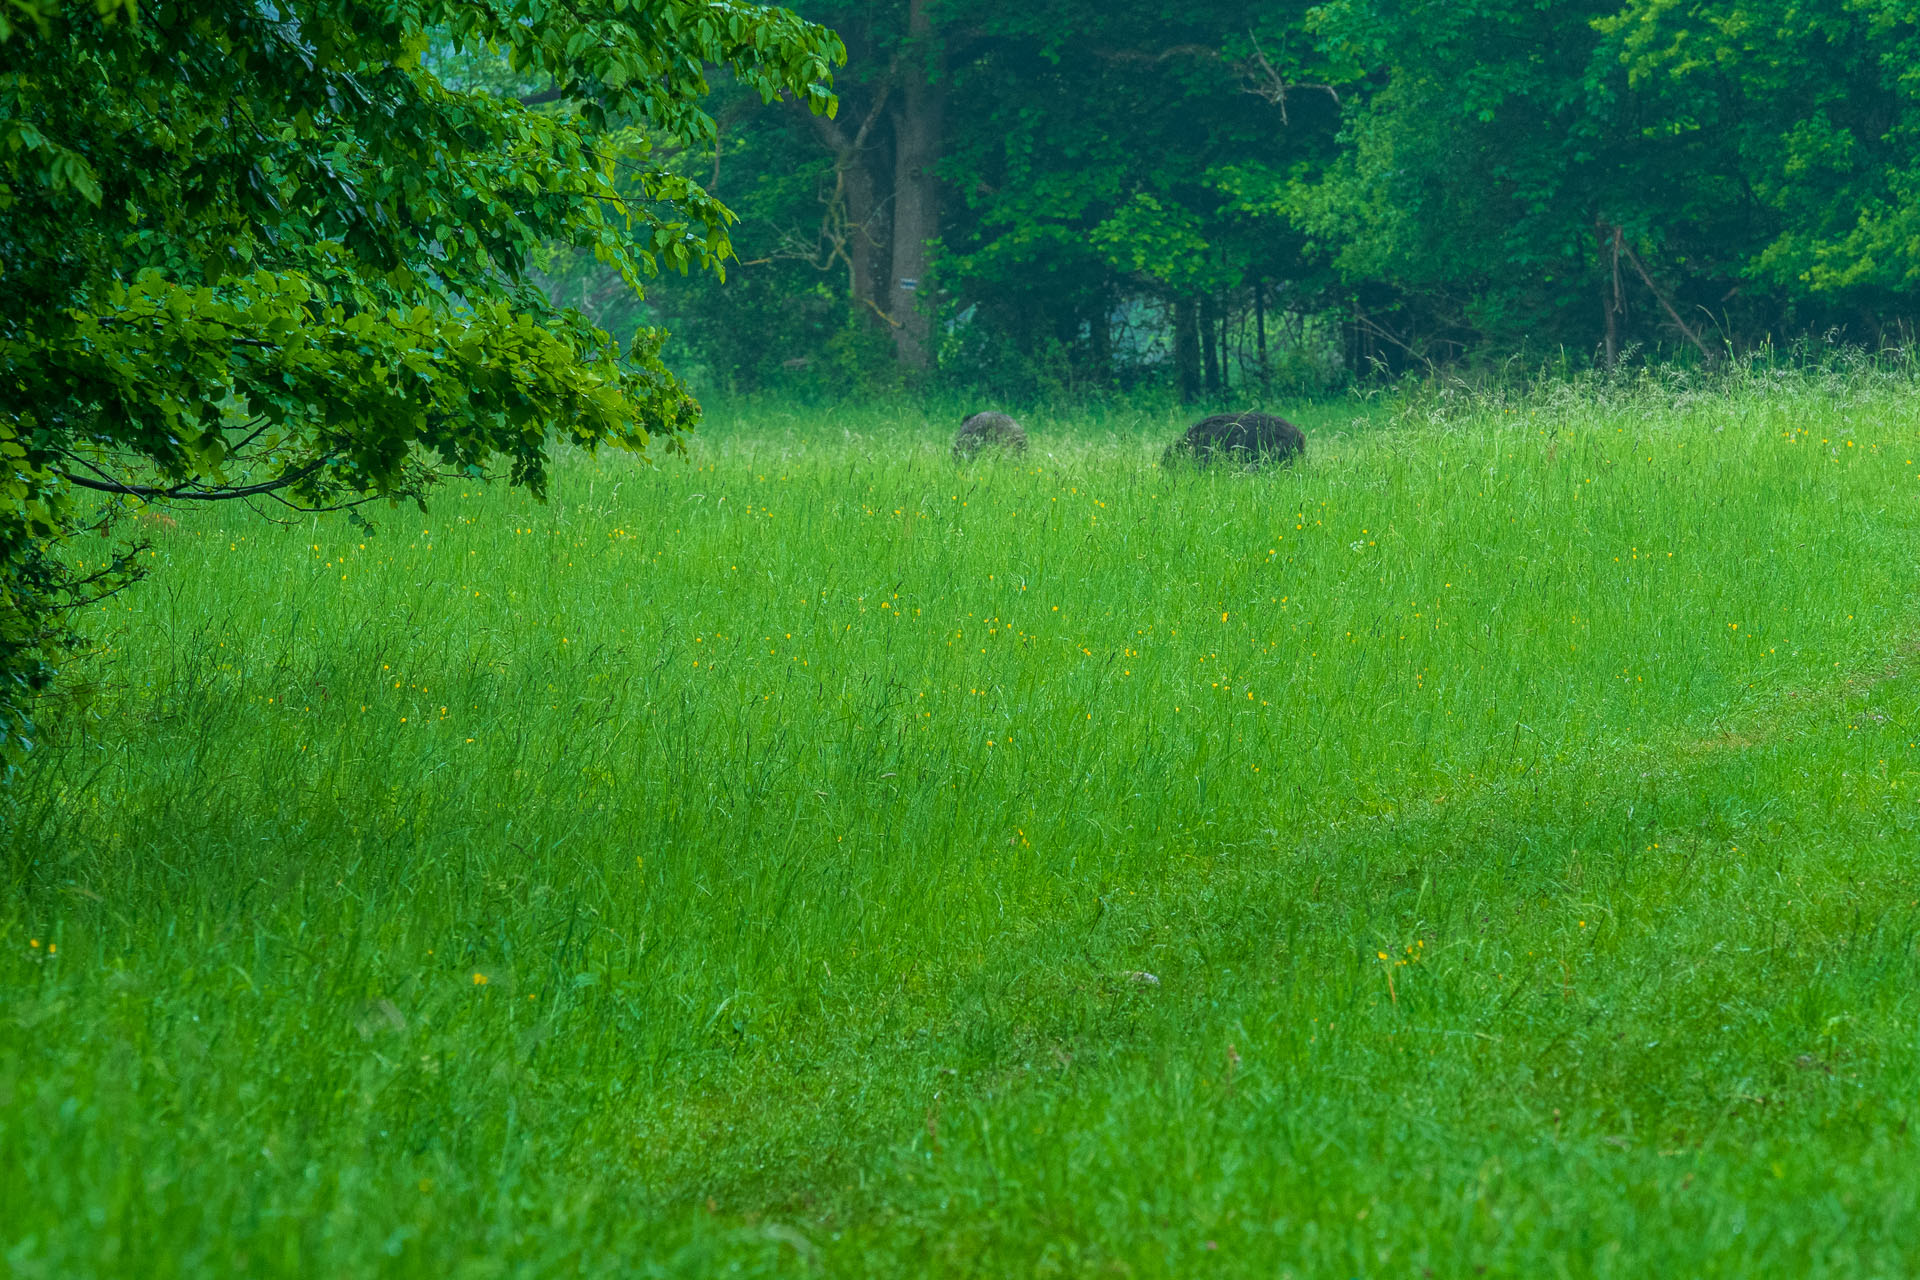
268,253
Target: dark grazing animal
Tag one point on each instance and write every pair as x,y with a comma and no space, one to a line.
1243,439
989,430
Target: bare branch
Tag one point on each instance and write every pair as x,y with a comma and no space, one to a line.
1262,81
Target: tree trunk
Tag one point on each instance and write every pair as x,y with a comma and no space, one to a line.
1226,346
1609,287
1363,357
865,271
1186,348
1210,342
1100,342
1260,329
919,127
857,226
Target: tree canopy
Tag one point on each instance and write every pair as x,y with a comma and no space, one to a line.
1135,190
271,253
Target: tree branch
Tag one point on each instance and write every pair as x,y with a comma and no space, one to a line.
1156,56
1270,85
834,137
188,492
1660,297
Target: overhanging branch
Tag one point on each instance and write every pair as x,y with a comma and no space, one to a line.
192,492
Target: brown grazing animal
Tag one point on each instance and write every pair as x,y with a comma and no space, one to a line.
1244,439
988,431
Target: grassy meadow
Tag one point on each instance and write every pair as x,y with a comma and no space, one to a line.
1487,848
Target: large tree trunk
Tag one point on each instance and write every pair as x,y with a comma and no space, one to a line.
866,271
857,224
1186,348
919,127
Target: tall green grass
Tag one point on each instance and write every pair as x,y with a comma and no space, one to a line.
1487,845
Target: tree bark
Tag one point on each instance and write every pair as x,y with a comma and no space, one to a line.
1100,342
919,128
1363,356
866,275
1260,328
1210,342
1610,287
1186,348
858,234
1226,347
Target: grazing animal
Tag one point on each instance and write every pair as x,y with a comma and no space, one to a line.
989,430
1244,439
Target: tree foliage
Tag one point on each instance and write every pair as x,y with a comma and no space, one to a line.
1091,159
1431,182
269,253
1589,173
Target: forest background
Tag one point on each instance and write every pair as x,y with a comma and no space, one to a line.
1063,198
